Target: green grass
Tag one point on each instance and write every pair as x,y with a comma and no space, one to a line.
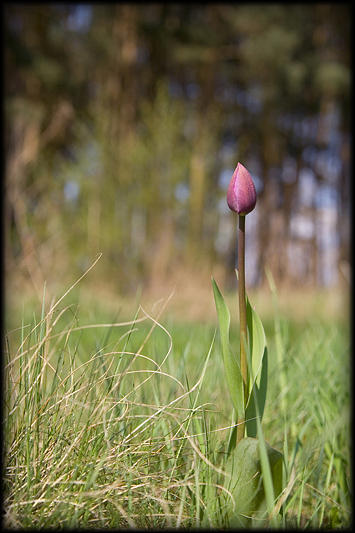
116,424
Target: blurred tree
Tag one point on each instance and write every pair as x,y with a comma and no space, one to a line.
290,70
38,117
120,119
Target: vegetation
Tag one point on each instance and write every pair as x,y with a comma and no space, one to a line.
123,124
121,121
127,425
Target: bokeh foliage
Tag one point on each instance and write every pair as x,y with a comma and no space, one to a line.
119,120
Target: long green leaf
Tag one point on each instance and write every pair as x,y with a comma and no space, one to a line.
231,364
260,394
257,343
259,369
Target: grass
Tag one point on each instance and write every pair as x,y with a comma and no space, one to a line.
126,424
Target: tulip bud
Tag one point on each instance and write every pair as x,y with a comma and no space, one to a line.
241,194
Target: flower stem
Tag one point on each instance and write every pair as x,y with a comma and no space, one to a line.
243,322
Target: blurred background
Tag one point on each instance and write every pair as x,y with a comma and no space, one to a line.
124,124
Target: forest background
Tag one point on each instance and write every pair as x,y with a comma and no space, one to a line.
123,126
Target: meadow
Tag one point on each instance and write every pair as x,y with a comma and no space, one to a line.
121,419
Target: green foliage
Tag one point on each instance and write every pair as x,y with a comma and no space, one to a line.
251,457
246,484
231,363
258,375
126,425
258,357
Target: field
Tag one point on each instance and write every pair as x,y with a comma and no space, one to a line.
119,416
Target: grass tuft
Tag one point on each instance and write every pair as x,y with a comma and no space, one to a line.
126,424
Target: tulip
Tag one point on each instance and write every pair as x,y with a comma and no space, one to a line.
241,195
241,198
247,381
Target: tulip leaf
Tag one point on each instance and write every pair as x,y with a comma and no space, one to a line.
257,342
231,363
245,468
258,371
260,394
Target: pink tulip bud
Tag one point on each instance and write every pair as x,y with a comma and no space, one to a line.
241,194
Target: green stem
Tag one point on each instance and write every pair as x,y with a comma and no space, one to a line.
243,322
